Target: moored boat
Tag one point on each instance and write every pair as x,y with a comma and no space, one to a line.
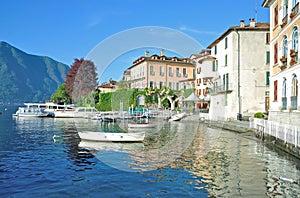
112,137
177,117
76,112
31,112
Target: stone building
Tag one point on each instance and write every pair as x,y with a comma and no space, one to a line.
160,71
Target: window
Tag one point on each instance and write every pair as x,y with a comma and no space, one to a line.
267,57
268,38
284,10
294,3
161,70
225,82
161,84
178,72
184,72
226,60
276,15
267,78
275,90
215,49
295,86
194,73
295,39
170,71
151,84
226,43
284,88
284,46
294,94
275,53
215,65
152,73
198,70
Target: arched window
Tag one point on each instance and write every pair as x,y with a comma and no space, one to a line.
284,46
295,39
284,88
295,86
284,8
294,3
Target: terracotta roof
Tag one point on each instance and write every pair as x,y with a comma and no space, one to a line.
258,27
163,58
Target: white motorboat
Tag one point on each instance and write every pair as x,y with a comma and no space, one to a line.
76,112
31,112
142,125
177,117
112,137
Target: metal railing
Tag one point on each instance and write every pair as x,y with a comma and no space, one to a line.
287,133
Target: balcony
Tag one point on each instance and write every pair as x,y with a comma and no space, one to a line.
294,11
228,88
284,21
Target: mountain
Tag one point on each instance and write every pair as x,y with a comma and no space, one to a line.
28,78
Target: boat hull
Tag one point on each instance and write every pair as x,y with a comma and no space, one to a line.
112,137
177,117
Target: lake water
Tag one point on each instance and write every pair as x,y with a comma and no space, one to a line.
178,159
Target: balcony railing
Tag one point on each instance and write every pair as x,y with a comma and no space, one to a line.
284,19
294,10
284,103
222,89
152,73
294,102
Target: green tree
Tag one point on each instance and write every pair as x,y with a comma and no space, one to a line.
61,95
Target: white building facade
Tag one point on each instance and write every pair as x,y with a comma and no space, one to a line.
241,83
204,75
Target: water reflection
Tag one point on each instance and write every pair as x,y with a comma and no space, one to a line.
239,166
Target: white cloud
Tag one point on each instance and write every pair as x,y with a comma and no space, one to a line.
187,29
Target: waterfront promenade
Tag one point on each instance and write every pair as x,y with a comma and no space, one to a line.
280,136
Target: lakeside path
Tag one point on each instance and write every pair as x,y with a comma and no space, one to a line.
236,126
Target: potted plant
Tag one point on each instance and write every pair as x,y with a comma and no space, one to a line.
292,15
292,62
283,59
293,53
283,67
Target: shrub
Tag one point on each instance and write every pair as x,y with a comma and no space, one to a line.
259,115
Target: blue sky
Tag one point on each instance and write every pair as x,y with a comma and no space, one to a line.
68,29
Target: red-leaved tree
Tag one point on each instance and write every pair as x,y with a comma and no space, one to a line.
81,79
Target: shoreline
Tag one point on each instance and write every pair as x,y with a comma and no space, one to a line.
243,127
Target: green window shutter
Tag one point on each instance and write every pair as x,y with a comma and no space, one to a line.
267,78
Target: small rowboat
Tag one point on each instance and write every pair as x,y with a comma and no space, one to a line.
112,137
177,117
142,125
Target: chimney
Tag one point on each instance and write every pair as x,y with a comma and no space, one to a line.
162,52
252,22
146,53
242,23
